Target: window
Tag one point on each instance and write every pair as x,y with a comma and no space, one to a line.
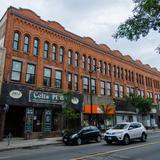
54,52
89,64
95,64
105,68
139,92
61,55
83,61
128,91
70,81
76,59
132,77
93,86
126,75
46,50
36,47
102,88
47,77
129,75
16,70
116,89
76,82
16,41
100,66
114,71
142,93
30,76
121,73
109,69
118,72
69,57
132,90
26,44
85,85
58,79
109,88
121,91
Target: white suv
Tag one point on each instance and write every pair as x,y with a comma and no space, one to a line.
125,132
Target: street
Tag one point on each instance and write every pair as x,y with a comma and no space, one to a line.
93,151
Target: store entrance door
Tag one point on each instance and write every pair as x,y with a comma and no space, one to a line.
14,122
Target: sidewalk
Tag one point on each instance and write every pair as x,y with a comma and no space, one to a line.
17,143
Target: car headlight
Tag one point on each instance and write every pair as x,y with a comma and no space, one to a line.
74,135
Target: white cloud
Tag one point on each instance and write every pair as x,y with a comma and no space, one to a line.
94,18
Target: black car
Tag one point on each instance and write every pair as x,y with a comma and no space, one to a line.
82,135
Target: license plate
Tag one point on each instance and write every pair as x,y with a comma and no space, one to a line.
109,138
65,140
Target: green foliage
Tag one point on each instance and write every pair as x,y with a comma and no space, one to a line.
69,112
143,104
146,16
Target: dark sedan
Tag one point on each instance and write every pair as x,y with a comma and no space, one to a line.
82,135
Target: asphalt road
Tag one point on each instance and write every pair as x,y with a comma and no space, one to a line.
93,151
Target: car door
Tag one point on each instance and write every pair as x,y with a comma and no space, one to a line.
86,134
131,131
138,130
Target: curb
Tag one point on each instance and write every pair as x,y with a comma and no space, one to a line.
29,146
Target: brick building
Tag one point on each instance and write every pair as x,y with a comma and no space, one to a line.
43,60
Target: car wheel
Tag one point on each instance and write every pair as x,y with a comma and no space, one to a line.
98,139
143,137
79,141
126,139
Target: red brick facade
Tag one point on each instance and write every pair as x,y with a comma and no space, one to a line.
26,22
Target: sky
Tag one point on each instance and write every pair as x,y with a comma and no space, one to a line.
97,19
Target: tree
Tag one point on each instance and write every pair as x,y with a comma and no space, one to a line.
146,17
69,113
143,104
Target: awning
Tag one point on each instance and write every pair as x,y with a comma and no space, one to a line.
99,109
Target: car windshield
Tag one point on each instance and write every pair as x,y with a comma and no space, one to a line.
120,126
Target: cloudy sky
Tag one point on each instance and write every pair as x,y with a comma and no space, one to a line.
97,19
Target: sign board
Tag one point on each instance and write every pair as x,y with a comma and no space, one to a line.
29,120
45,97
47,121
16,94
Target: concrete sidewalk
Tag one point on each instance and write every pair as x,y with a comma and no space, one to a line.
17,143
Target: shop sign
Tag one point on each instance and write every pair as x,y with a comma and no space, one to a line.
47,121
16,94
45,97
75,100
29,120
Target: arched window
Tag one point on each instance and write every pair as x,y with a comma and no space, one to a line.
89,64
35,46
54,52
61,54
26,44
94,64
76,59
69,57
16,41
45,50
105,68
83,61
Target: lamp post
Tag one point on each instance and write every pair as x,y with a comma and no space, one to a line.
90,81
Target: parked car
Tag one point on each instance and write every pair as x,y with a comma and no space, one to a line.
126,132
82,135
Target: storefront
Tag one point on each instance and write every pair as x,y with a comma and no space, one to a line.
31,112
103,115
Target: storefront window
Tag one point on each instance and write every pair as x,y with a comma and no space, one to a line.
47,77
16,71
30,76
